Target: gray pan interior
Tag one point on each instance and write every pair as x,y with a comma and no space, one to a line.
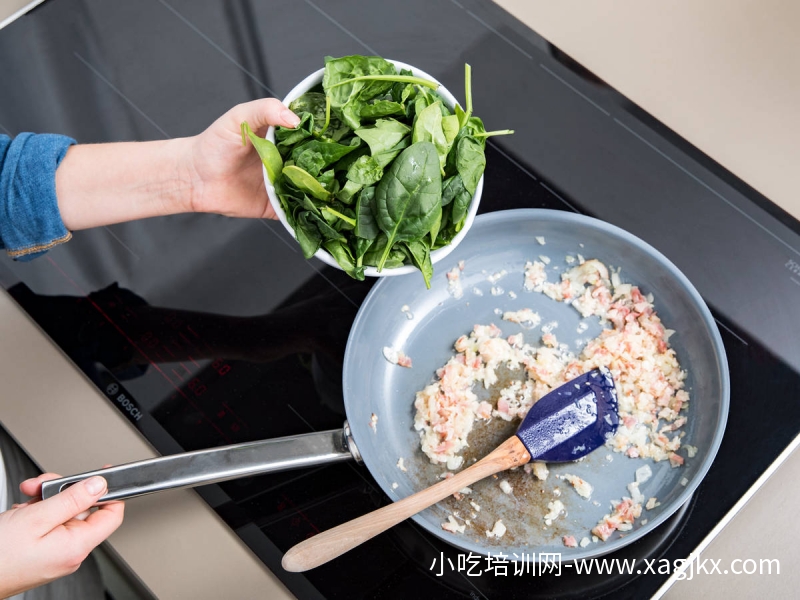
400,313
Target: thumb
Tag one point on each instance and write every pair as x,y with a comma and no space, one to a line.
263,113
67,504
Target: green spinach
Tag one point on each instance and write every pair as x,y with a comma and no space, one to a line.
409,195
270,157
305,182
379,172
428,128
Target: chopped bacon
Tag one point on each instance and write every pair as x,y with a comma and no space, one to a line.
676,460
603,531
502,406
484,410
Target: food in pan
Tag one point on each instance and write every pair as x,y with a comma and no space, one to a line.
633,344
498,531
621,518
583,487
396,357
454,281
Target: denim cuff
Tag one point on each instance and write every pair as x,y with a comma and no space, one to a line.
30,222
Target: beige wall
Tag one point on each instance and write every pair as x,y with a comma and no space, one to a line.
9,8
724,74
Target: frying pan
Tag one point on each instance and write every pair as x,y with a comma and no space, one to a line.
400,313
504,241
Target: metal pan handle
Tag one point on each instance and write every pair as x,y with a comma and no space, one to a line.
203,467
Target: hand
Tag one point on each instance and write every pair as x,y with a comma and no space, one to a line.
42,540
102,184
227,176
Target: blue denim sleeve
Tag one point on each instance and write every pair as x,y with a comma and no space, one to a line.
30,223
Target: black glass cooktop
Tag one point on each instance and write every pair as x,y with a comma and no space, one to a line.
205,330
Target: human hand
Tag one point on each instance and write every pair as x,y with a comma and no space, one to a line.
226,175
42,540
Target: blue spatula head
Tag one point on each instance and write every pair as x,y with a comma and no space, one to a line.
572,420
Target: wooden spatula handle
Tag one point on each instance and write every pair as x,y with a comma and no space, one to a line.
329,544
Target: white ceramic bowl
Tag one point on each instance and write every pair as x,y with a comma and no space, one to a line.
315,79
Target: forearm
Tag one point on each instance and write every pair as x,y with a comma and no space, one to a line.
49,186
102,184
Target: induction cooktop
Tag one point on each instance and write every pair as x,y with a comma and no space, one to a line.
204,330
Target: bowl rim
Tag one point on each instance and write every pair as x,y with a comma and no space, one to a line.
436,255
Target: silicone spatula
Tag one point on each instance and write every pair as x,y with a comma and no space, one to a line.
562,426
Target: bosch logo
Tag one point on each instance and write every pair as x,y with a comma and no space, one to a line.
128,405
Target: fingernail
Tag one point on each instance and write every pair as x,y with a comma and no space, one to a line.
95,485
289,117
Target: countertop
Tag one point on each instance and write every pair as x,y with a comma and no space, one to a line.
721,73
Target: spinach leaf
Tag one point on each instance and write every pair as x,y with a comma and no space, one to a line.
365,171
420,254
421,102
450,127
395,258
327,232
362,246
327,180
267,151
402,91
311,162
461,203
315,155
455,195
344,163
384,135
348,192
310,102
470,162
452,187
442,238
307,235
346,92
308,204
286,138
366,225
428,128
450,168
344,257
437,225
384,158
423,98
409,195
349,222
369,78
306,182
446,236
286,191
475,126
315,104
381,108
